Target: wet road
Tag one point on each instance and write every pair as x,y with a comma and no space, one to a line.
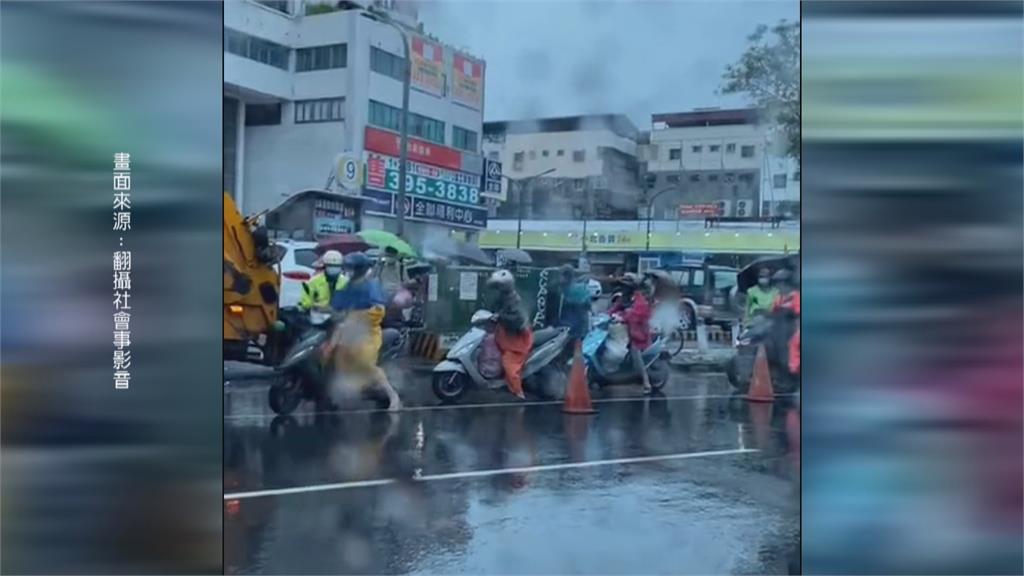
692,483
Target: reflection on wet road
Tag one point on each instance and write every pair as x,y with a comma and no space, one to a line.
693,483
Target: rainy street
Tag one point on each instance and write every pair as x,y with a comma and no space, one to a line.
693,481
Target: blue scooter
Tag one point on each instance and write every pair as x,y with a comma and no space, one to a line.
605,355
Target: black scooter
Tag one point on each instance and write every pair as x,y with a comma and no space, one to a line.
300,375
771,330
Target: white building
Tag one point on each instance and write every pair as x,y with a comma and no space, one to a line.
591,159
715,157
305,82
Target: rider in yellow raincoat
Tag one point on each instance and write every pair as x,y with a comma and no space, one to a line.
356,342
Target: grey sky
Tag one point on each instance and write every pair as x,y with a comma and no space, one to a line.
566,57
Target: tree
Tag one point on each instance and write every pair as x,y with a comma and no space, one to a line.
769,73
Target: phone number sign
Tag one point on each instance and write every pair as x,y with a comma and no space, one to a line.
423,180
424,209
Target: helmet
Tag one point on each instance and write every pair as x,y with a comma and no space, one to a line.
358,263
501,278
331,258
630,280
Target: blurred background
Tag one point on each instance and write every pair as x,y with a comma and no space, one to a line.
912,283
98,480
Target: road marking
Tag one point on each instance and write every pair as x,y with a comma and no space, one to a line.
484,473
492,405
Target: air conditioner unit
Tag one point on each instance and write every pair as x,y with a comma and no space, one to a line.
724,207
744,209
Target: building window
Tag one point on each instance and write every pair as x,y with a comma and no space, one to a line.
279,5
747,151
796,176
694,177
517,161
672,178
386,63
545,154
675,153
560,153
730,148
426,128
320,110
713,178
493,154
779,181
321,58
263,114
697,149
385,116
714,148
579,155
256,49
578,183
464,139
729,177
747,177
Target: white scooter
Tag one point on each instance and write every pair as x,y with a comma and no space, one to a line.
459,371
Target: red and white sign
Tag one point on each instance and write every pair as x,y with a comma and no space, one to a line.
700,210
389,143
427,66
468,84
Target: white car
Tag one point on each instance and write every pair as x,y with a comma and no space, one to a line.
296,268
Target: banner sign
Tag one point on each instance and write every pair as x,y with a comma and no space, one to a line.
700,210
468,81
429,153
492,181
423,180
427,66
422,209
333,217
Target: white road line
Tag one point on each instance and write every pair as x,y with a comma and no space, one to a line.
484,473
491,405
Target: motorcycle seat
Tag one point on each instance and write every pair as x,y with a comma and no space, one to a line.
544,335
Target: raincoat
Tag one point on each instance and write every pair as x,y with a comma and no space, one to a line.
637,317
791,301
357,340
319,291
513,336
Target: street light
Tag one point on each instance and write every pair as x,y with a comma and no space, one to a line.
403,144
650,207
519,199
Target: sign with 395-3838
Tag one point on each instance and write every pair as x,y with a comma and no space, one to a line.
424,180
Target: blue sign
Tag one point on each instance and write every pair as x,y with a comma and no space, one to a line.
425,210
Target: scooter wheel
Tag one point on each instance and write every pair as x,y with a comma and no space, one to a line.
284,397
449,386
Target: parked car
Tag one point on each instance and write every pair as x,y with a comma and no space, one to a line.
296,268
706,293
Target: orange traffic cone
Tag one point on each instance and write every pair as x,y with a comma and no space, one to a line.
577,395
761,380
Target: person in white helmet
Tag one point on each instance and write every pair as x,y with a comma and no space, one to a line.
317,292
513,336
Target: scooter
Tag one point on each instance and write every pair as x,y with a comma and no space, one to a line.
300,374
606,351
771,330
460,371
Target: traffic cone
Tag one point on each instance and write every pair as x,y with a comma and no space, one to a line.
761,379
577,394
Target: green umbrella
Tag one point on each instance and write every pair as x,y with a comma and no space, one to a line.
382,239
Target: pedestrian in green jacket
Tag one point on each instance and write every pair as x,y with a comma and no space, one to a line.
760,297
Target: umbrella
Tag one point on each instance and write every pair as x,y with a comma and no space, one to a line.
515,255
344,243
383,239
450,248
747,277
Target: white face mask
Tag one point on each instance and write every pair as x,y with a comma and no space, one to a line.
333,270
